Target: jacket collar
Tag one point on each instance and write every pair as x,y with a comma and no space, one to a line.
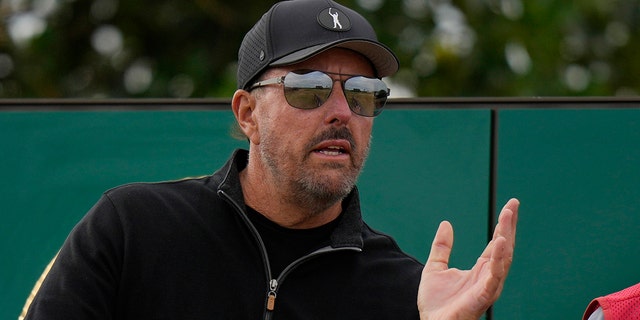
348,232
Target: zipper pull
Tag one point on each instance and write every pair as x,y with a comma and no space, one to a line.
271,301
271,296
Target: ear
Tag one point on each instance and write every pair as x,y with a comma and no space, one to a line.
243,105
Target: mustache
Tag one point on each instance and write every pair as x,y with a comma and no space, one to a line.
333,134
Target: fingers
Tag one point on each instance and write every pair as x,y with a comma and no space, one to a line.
498,258
507,222
499,250
502,246
514,205
441,246
498,270
506,228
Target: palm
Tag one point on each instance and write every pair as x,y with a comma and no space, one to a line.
449,293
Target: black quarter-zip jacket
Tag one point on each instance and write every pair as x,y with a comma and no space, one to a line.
187,250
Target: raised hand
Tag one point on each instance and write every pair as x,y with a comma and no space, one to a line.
450,293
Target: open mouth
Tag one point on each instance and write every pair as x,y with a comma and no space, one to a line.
332,151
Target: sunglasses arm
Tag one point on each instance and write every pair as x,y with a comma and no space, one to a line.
278,80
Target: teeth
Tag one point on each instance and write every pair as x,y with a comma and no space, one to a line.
332,151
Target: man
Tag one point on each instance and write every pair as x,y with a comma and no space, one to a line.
277,232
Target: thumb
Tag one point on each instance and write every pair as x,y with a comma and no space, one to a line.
441,246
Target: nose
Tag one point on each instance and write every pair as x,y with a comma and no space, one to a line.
337,108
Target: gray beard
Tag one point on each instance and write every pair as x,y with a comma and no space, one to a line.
312,190
316,196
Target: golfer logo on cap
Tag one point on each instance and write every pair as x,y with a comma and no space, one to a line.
334,20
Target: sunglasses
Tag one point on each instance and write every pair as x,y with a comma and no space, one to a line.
309,89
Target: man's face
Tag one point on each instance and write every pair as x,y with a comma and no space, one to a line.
316,154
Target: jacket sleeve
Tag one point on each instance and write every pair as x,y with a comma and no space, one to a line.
82,282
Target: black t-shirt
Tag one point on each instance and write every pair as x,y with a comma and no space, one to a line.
285,245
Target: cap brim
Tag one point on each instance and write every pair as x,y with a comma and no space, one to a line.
383,60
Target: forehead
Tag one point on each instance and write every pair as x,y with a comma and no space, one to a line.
336,60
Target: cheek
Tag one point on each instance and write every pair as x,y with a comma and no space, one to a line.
286,131
269,115
297,124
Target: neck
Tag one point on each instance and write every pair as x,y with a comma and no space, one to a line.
275,202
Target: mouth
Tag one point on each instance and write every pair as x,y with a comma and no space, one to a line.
332,151
333,148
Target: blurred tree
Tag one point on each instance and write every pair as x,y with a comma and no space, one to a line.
111,48
187,48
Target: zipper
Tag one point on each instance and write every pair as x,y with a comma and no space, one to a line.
275,283
254,232
271,295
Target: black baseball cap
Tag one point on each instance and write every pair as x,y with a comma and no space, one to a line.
293,31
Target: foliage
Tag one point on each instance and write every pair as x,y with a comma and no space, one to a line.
171,48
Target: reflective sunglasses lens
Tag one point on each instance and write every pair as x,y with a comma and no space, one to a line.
307,90
366,96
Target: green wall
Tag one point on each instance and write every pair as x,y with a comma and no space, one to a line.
575,171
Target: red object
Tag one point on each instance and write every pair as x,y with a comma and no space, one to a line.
624,304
